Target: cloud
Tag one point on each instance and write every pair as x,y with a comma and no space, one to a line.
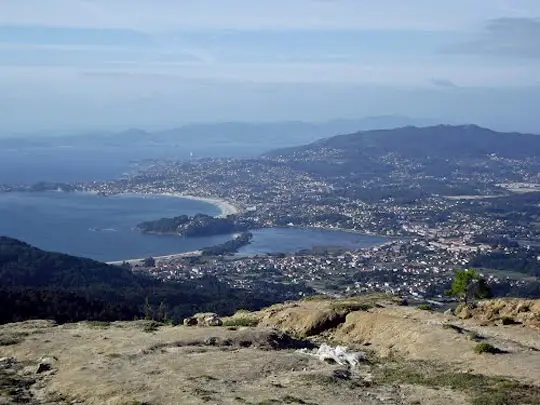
512,37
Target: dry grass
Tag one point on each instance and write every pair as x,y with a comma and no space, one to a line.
483,390
148,363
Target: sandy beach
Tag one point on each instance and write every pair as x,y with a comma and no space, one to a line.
225,207
158,259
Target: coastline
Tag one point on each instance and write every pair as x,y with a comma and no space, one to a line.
226,208
157,258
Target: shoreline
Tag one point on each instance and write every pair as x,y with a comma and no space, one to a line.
388,241
157,258
226,208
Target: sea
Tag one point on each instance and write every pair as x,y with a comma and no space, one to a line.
102,228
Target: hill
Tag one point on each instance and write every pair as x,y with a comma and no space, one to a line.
39,284
412,162
391,354
437,142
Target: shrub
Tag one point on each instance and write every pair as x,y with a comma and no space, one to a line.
424,307
241,321
486,348
9,340
506,320
152,326
98,324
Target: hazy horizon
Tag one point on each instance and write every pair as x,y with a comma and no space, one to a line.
82,65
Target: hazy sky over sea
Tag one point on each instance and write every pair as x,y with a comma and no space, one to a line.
113,64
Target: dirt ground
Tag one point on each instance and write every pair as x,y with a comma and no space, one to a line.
412,357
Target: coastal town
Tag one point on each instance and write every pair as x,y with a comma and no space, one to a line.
430,236
436,215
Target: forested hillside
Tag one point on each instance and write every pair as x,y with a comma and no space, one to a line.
38,284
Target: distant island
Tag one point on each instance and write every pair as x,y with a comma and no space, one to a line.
198,225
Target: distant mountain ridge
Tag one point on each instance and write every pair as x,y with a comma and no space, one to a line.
441,141
270,133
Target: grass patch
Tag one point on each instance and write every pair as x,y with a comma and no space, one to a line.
151,326
322,380
14,388
458,329
98,324
241,321
352,306
424,307
484,390
10,340
481,348
475,336
287,399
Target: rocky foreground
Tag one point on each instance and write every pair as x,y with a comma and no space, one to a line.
391,354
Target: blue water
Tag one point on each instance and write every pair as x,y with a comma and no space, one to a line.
97,227
74,164
102,227
290,240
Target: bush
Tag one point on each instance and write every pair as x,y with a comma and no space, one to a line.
241,321
486,348
424,307
98,324
152,326
506,320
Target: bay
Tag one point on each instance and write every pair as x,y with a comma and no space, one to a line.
291,240
101,228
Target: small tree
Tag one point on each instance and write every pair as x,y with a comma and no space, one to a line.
468,284
149,262
147,310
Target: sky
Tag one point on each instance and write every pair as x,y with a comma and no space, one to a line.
152,64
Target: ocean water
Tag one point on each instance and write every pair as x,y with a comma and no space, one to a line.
98,227
74,164
101,228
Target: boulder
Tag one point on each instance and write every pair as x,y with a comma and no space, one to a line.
45,364
190,321
208,319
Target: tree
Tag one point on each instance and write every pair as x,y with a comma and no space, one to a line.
149,262
468,284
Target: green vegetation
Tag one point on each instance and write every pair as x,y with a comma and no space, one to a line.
484,390
486,348
458,329
35,284
198,225
424,307
241,321
287,399
475,336
10,340
98,324
463,280
152,326
522,260
229,247
352,306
